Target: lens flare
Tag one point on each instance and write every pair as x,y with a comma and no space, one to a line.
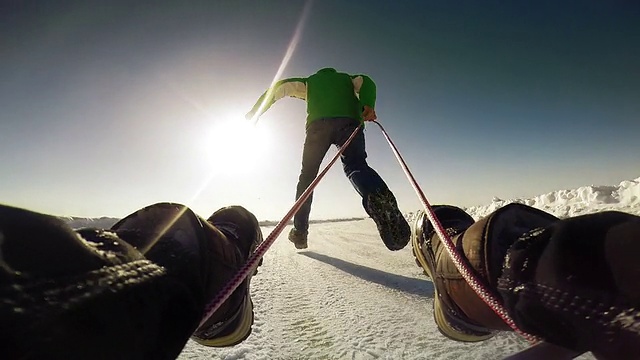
250,147
288,54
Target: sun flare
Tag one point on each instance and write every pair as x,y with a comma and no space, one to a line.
236,146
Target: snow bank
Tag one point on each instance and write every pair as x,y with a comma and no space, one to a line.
583,200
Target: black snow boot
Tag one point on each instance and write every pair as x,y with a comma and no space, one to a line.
85,294
298,238
242,228
391,223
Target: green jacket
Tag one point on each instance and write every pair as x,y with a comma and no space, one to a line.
328,94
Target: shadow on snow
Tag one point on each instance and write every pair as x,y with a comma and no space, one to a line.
423,288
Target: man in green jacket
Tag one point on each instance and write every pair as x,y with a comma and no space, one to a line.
337,103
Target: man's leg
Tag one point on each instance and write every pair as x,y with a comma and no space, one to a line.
203,255
316,145
458,312
377,199
364,179
106,300
132,292
575,284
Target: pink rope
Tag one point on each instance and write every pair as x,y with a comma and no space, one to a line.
463,268
253,260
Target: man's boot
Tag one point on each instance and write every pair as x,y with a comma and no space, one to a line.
394,229
459,313
574,283
135,291
208,252
87,293
298,238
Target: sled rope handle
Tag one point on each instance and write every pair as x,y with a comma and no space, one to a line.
463,268
253,260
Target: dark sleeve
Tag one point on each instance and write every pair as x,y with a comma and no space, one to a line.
575,283
85,295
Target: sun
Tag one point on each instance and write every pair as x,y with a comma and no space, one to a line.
236,146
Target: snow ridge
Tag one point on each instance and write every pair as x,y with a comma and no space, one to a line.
585,199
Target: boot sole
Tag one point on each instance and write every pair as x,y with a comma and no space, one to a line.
439,315
392,226
240,334
299,245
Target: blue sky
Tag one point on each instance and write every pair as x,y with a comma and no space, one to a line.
110,106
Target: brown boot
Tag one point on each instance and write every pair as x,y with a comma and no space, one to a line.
575,284
223,243
459,313
87,294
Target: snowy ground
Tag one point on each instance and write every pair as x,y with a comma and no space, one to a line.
348,297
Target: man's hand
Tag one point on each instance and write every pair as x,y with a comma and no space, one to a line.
368,114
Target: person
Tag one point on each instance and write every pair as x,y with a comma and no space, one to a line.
136,291
337,103
572,282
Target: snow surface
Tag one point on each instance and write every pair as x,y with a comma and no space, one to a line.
348,297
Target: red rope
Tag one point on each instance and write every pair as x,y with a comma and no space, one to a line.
253,260
463,268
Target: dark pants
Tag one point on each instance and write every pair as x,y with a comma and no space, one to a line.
321,134
99,288
575,283
63,297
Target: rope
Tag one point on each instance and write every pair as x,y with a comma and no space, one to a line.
463,268
253,260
